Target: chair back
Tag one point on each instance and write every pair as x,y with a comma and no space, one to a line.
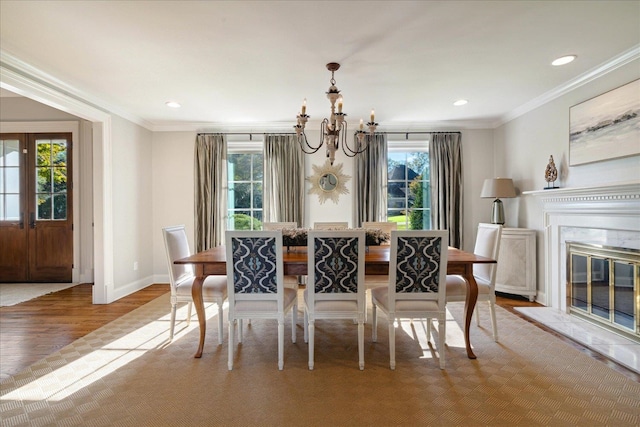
385,227
336,265
270,226
177,247
254,266
330,225
418,265
487,245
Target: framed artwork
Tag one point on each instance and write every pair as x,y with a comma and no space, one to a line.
606,127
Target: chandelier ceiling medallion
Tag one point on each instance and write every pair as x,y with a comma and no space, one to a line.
333,130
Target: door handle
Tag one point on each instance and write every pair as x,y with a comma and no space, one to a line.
32,220
21,220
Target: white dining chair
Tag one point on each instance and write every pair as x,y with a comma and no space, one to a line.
181,278
256,286
289,281
487,245
335,288
416,289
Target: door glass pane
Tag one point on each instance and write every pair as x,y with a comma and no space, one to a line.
44,207
60,180
12,180
43,149
59,152
9,152
60,206
44,180
12,207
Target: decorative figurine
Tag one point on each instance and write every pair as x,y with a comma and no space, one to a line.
551,174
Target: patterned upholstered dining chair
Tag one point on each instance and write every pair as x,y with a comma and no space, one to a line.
181,278
487,245
289,281
416,289
335,288
256,286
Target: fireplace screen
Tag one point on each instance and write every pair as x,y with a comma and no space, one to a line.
603,286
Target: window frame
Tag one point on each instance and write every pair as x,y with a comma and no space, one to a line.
408,147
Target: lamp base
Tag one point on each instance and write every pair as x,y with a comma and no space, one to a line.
497,212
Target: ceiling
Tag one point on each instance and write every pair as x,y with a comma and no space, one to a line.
246,63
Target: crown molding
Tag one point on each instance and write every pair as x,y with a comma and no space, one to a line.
31,82
618,61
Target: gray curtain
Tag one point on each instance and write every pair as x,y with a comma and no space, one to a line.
370,182
283,197
445,159
210,190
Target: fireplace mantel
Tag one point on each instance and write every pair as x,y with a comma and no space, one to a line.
608,215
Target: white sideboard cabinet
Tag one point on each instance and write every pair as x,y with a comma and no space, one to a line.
517,262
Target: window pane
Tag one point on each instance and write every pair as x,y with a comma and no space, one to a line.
241,220
257,167
240,167
408,190
257,195
242,195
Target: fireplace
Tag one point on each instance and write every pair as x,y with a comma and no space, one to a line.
603,286
608,216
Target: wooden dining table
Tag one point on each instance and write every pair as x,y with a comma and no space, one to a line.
213,262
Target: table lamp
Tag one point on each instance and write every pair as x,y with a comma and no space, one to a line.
498,188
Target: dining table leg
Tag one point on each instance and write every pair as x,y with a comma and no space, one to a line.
196,294
469,306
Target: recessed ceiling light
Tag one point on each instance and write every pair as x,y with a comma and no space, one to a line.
460,102
172,104
564,60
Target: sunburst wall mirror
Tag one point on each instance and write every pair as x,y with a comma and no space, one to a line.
328,182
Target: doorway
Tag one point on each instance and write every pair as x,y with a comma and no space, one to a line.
36,207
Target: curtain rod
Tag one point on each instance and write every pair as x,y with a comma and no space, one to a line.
246,133
413,133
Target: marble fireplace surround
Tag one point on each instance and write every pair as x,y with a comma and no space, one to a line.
607,215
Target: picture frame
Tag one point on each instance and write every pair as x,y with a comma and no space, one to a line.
605,127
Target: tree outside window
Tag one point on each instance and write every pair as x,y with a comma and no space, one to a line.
245,178
408,195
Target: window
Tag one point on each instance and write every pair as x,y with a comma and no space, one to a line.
245,190
408,189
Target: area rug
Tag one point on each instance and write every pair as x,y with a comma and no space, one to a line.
15,293
128,374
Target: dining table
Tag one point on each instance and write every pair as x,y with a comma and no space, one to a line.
213,262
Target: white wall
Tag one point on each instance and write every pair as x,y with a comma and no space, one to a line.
523,147
173,197
172,192
132,206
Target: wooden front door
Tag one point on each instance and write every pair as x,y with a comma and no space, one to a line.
36,215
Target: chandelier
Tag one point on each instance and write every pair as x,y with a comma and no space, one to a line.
333,130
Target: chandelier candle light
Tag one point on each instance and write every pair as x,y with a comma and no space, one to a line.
333,130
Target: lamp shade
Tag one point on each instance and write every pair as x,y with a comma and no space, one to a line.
498,188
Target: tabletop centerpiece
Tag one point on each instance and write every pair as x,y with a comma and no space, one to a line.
298,236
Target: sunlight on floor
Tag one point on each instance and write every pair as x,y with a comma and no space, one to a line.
417,330
78,374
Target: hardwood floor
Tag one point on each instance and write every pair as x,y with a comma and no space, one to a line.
34,329
37,328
